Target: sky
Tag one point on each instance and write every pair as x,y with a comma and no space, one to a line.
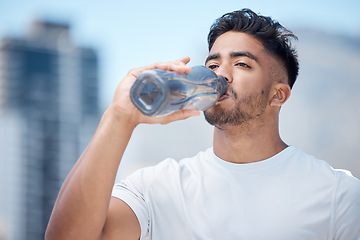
129,34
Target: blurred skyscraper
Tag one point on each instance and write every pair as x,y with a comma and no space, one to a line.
49,109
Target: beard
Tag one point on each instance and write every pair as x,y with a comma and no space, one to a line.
244,110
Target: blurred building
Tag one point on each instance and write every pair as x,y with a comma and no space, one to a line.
49,108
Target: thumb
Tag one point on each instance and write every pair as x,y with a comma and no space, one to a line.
175,116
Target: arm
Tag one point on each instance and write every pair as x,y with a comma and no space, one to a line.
84,208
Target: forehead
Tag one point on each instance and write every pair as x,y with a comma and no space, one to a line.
237,42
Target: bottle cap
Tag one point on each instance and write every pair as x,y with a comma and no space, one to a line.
148,93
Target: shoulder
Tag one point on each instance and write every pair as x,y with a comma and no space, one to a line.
322,175
343,179
348,189
313,165
343,189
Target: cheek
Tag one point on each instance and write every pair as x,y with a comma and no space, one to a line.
248,82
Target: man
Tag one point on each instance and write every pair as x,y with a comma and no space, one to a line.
250,185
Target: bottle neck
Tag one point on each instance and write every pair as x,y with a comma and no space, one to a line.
223,85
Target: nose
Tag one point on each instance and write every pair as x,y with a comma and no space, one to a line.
225,72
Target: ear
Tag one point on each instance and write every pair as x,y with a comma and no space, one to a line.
280,94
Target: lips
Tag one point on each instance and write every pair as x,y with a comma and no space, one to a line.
223,97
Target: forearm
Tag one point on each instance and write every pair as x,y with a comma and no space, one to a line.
82,204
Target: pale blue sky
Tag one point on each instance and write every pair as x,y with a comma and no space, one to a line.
135,33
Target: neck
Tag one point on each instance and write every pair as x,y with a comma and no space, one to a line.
246,143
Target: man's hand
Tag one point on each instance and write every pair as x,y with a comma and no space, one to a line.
123,107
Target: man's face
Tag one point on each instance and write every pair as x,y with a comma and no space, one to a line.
246,64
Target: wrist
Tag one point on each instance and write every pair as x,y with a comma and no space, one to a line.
120,117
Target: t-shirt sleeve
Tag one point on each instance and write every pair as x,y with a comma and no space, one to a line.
131,191
347,208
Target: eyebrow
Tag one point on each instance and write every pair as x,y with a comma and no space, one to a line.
212,56
233,55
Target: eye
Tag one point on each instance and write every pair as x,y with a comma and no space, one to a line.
241,64
212,66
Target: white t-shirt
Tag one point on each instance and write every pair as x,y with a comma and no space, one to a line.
291,195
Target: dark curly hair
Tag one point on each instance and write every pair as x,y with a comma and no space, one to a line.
274,37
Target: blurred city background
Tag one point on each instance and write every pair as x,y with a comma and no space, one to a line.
60,62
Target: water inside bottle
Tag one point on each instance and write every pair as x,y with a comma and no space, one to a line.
192,95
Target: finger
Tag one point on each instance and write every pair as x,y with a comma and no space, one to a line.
176,66
185,59
179,115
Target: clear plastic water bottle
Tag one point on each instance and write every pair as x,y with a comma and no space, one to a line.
158,92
